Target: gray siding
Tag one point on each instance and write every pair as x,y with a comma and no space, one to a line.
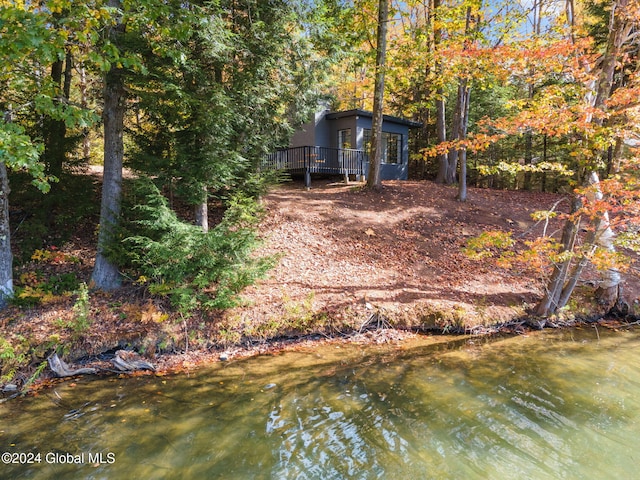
323,132
305,135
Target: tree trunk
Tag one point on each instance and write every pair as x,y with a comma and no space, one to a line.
441,132
55,137
602,237
543,186
86,140
462,184
613,163
452,156
202,213
105,273
528,158
609,288
619,30
465,92
373,178
556,285
459,127
6,258
528,135
55,130
441,125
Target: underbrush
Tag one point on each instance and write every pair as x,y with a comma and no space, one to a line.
41,221
195,270
176,276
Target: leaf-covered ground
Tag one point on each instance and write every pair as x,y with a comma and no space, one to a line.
346,249
350,261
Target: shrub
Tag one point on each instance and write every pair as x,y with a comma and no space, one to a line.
193,268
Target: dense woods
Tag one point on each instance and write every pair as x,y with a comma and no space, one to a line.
187,98
189,95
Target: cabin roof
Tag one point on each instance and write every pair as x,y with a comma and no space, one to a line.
365,113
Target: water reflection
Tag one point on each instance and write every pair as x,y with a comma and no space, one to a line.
551,405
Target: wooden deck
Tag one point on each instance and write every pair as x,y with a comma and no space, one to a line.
308,160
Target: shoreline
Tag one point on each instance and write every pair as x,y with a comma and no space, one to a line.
189,361
349,261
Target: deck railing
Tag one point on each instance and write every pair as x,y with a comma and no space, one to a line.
341,161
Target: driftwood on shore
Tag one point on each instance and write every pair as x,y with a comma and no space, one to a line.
61,369
123,361
126,361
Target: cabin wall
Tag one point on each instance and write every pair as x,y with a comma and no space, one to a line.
335,125
313,133
305,135
388,171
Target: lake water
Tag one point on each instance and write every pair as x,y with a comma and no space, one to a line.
553,404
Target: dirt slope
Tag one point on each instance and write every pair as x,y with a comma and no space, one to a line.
347,249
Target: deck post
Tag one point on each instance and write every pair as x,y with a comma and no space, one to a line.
306,152
345,172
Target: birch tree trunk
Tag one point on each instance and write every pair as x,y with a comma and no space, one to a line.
608,292
373,177
563,281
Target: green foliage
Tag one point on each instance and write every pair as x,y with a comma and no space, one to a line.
514,168
62,283
30,236
234,87
193,268
301,316
32,40
629,240
81,319
19,152
488,244
543,215
36,282
443,318
11,358
34,376
33,287
256,185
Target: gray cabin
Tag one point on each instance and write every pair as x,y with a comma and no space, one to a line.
339,142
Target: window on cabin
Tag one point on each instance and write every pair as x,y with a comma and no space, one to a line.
344,138
366,141
391,146
392,143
